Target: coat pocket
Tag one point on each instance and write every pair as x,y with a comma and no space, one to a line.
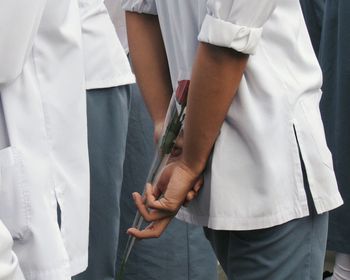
14,195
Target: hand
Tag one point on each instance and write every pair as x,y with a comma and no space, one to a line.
193,193
175,183
175,156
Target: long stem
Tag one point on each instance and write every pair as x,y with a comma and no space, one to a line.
173,124
157,165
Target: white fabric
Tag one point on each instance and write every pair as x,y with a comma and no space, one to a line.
46,160
222,33
9,266
235,24
254,179
341,269
4,139
140,6
14,48
106,64
118,18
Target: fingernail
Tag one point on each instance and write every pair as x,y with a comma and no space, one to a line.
134,196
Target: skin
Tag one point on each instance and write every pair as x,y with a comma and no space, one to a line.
216,75
152,75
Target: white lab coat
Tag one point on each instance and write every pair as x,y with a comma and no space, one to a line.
118,18
106,63
254,179
9,267
45,159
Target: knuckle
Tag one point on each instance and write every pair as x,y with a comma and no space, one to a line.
147,218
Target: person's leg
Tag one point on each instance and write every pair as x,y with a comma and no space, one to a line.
294,250
108,111
341,267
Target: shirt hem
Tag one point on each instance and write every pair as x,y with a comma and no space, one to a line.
64,272
254,223
249,223
113,82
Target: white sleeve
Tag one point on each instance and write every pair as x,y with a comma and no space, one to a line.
9,267
140,6
236,24
19,22
117,15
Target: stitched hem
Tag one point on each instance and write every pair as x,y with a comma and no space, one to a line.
114,82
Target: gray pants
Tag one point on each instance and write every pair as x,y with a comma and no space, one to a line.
291,251
108,114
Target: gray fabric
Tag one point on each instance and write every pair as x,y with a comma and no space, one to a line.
182,253
334,57
291,251
107,112
335,108
314,10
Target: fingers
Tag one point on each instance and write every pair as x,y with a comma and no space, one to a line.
154,230
192,194
176,183
199,183
150,208
190,197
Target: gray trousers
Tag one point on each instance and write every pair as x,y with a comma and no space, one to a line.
108,114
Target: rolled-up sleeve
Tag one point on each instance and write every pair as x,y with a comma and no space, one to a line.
236,24
140,6
19,22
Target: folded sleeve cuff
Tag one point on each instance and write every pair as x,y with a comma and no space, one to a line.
140,6
221,33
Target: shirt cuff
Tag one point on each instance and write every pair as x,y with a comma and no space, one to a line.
221,33
140,6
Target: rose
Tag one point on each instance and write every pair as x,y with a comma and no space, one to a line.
173,123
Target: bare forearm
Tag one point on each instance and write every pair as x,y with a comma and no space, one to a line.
216,75
150,62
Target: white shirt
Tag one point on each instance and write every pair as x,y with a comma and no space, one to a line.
117,15
9,267
254,178
106,63
44,156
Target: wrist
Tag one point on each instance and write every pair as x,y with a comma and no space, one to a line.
158,128
195,167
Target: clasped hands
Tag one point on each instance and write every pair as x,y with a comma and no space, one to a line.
177,185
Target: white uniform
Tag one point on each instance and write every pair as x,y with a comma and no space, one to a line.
117,15
108,67
46,159
9,267
254,179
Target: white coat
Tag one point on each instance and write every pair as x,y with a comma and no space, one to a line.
9,267
45,159
106,63
118,18
254,179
